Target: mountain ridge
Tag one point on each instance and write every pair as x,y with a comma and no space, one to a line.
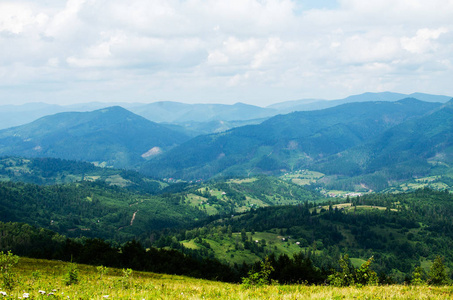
113,135
284,142
15,115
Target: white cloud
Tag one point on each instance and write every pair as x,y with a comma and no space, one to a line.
423,41
221,51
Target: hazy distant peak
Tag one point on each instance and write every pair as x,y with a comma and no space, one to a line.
430,98
115,108
409,100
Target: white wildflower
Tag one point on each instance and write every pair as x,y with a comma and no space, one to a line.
41,292
2,293
26,295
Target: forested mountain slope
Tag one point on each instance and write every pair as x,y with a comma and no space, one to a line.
414,148
284,142
112,136
93,209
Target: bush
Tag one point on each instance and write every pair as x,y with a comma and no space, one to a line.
417,276
72,276
350,276
364,275
259,278
7,262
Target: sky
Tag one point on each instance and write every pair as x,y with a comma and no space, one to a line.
214,51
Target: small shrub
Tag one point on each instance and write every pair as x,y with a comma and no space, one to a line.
438,273
126,278
350,276
365,276
417,276
7,262
259,278
345,277
102,271
72,276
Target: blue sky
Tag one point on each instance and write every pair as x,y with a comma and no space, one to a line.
313,4
214,51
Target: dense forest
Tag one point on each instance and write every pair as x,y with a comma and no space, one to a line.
92,209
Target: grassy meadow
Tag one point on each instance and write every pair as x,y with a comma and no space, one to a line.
43,279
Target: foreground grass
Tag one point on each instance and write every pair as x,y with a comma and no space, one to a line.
48,277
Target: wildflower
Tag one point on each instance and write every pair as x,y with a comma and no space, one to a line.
105,296
2,293
41,292
25,295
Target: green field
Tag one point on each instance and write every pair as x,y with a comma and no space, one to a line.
302,177
43,279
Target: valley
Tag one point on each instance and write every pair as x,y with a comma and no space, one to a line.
366,179
259,149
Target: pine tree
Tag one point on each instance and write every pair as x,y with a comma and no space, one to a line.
437,273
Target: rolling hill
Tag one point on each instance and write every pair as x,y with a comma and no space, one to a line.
93,209
111,136
50,171
284,142
401,231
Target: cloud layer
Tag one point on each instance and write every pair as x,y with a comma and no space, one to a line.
255,51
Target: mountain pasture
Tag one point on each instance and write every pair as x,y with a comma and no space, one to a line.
40,279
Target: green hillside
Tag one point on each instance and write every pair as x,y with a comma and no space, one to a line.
48,171
93,209
112,137
401,231
80,199
238,195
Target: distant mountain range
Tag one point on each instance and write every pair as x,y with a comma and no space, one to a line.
381,140
110,137
315,104
198,118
